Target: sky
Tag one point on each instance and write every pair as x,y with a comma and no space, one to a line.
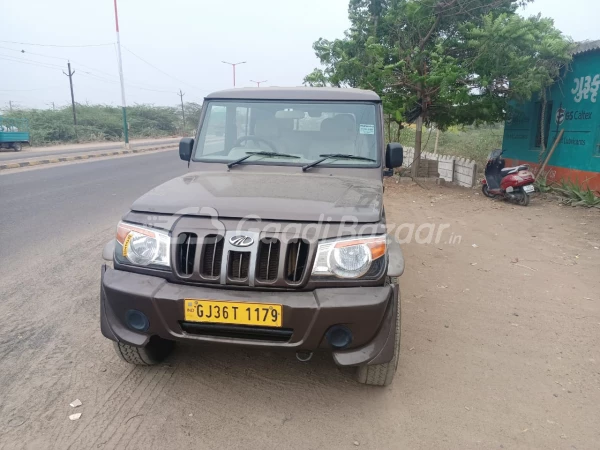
179,44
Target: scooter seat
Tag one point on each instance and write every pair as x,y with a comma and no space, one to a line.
509,170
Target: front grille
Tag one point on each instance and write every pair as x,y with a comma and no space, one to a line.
212,256
238,265
296,259
238,331
268,260
186,252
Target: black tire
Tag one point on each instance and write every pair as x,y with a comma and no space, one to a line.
153,353
486,191
383,374
524,199
17,147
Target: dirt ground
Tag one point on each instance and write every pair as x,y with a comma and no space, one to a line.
500,350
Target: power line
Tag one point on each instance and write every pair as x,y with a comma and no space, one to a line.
29,90
31,63
53,45
32,53
32,60
60,58
160,70
89,74
106,80
56,57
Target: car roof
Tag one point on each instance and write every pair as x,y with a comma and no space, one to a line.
296,93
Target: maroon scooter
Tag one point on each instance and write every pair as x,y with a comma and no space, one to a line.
510,183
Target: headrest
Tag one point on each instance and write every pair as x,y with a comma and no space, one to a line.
266,128
285,124
342,124
347,122
329,126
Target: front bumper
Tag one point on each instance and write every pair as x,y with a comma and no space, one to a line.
369,312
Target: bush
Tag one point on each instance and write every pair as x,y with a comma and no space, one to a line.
574,195
99,123
469,142
541,183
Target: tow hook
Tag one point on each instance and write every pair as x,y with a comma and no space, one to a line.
304,356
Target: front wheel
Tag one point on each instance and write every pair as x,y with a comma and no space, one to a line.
17,147
153,353
383,374
486,191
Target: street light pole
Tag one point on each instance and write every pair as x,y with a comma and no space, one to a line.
233,65
258,82
123,102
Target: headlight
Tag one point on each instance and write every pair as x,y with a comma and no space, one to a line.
142,246
348,258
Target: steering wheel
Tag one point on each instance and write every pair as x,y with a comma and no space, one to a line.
255,139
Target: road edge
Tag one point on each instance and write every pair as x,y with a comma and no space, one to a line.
38,162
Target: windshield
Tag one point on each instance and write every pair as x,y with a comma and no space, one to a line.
233,129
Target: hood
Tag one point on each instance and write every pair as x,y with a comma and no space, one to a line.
269,196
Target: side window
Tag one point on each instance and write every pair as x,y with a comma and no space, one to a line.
214,139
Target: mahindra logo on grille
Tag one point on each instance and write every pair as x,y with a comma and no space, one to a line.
241,241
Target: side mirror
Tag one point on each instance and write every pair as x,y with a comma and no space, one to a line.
394,155
185,148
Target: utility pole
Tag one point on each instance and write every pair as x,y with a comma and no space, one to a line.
181,94
123,102
70,75
53,107
258,82
233,65
10,105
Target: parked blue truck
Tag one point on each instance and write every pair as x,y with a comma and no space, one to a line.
14,133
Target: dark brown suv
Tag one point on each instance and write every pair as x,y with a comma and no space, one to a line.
276,237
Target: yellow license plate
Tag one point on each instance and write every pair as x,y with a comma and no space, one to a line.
234,313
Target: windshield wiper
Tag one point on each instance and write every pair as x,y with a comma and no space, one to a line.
250,154
327,156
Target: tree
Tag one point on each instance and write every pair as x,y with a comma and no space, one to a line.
192,114
442,61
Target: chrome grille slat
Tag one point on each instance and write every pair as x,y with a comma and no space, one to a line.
240,263
268,260
269,257
297,257
212,256
212,264
185,253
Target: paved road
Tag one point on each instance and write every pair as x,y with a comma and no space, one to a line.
500,343
53,203
6,155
